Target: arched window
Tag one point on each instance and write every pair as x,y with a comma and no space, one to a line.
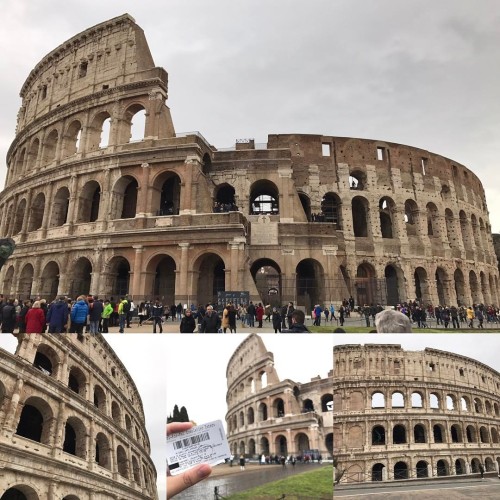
250,416
327,402
122,462
378,435
456,433
439,434
399,434
360,216
99,398
262,412
378,400
416,400
419,434
34,422
264,198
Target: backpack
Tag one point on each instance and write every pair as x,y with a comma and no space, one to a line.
126,307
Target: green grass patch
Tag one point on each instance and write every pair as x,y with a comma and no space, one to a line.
317,484
360,329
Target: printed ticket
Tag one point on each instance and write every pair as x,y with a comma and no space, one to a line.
202,444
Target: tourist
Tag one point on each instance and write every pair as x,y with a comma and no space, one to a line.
157,315
8,316
35,319
298,319
188,324
106,315
276,320
211,321
79,313
242,462
391,321
57,316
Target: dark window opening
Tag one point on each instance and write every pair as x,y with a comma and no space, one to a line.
83,69
69,445
30,424
73,383
43,363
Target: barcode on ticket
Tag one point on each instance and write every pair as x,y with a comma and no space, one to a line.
191,440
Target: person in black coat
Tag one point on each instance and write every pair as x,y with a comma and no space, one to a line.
188,324
297,326
57,316
211,321
8,317
276,320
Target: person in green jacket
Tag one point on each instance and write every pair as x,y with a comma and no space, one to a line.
106,313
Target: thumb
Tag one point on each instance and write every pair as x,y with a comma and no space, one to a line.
176,484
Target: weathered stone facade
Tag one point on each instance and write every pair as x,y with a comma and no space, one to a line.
72,423
401,414
267,415
314,218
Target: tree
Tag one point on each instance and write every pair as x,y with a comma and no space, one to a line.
183,415
178,415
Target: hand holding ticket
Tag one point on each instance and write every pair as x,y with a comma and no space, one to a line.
202,444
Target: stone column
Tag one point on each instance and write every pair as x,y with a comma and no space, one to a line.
181,278
10,422
27,215
143,196
59,430
136,277
104,210
286,194
36,286
47,211
191,163
73,199
233,279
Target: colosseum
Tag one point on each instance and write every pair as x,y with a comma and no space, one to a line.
103,196
72,423
413,414
270,416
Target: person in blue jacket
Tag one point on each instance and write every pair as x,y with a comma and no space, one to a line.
79,313
57,316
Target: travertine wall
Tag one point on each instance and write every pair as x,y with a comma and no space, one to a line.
72,423
94,211
400,414
267,415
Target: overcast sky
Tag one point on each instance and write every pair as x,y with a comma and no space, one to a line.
482,347
144,358
415,72
196,367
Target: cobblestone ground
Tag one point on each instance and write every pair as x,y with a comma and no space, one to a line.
231,479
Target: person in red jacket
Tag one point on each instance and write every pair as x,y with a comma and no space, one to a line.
35,319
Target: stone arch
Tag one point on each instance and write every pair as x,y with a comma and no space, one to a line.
475,231
264,446
442,468
331,208
71,141
309,283
329,443
122,462
417,400
360,208
489,464
465,403
166,196
211,277
494,435
422,292
36,212
451,402
478,405
20,160
378,435
251,447
102,455
411,217
397,400
266,274
136,470
124,198
357,180
20,492
432,220
419,434
399,434
119,276
475,465
100,398
378,400
47,360
305,201
378,472
278,407
386,209
471,434
8,281
327,402
450,228
484,435
26,281
262,412
34,151
459,280
77,380
460,466
75,438
301,442
160,278
99,131
89,202
133,124
35,420
474,287
439,433
19,217
60,207
400,470
50,281
485,291
80,278
394,282
50,147
307,405
281,445
225,198
264,198
434,401
116,413
365,284
422,469
250,416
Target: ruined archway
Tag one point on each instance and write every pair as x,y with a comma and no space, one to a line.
161,271
50,282
266,274
365,284
80,278
211,278
264,198
309,283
